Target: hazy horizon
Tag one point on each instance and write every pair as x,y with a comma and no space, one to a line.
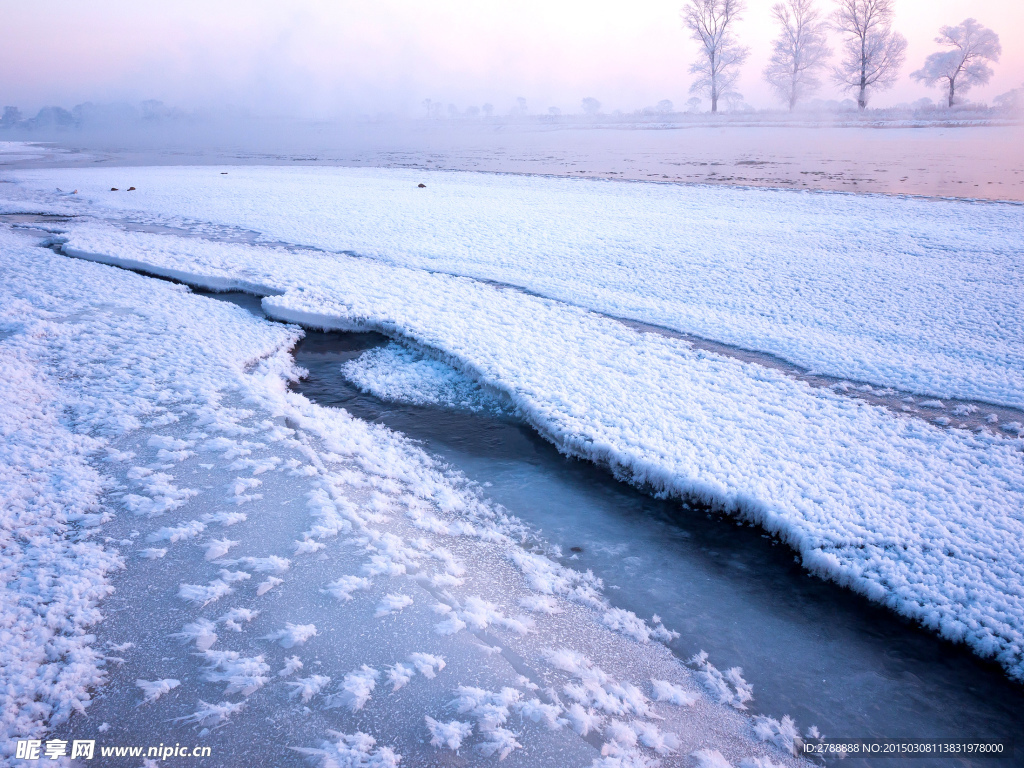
316,60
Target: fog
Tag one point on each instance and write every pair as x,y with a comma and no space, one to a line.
314,59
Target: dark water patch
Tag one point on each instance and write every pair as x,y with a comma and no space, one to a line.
812,650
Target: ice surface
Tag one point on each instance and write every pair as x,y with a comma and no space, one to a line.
100,359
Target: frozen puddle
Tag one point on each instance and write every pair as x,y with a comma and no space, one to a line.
811,649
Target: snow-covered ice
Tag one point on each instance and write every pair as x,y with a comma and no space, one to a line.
102,362
921,295
921,518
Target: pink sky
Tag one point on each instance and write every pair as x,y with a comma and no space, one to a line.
325,57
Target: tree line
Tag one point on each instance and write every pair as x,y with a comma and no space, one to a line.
871,51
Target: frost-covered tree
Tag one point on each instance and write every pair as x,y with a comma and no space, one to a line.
799,52
664,107
963,65
1011,101
717,68
872,52
12,115
591,106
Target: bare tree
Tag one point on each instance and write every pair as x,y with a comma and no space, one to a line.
964,65
799,52
718,66
872,52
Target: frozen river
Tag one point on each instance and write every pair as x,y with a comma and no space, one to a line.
812,650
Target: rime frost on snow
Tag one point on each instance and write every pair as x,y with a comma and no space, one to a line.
244,675
154,689
783,733
450,734
630,624
308,687
213,714
202,632
727,687
427,664
392,604
292,635
291,665
204,595
216,548
355,751
268,584
711,758
232,577
233,619
178,533
343,588
307,546
271,564
540,604
673,694
225,518
355,689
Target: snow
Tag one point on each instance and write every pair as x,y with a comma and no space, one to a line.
408,375
915,294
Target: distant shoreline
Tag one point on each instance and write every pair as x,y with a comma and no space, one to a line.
975,162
